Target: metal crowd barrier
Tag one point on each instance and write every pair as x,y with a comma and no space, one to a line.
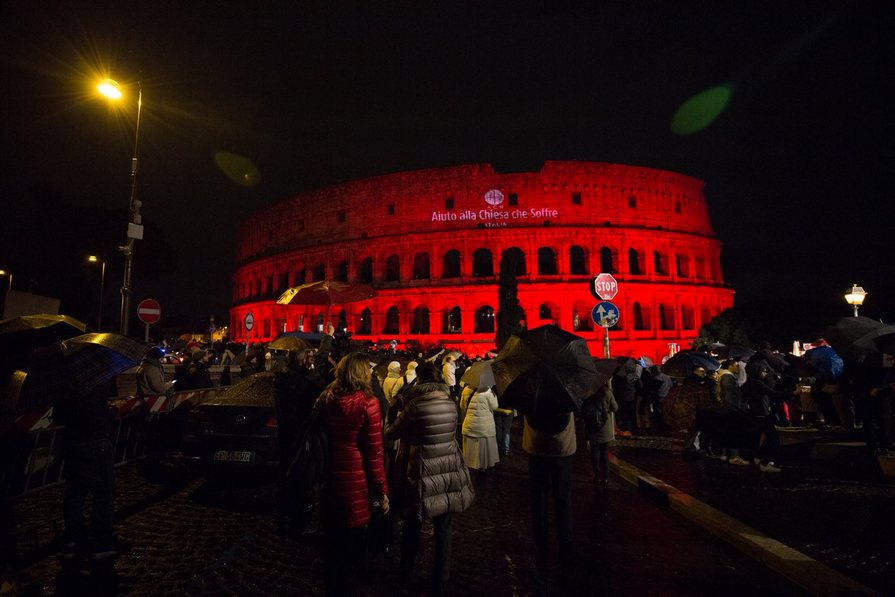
33,460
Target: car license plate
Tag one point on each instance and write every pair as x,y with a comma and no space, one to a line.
233,455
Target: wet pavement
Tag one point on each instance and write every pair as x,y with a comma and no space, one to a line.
837,511
196,538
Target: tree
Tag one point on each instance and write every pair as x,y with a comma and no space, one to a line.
509,312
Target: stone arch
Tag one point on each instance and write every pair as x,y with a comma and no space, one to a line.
577,261
392,321
393,268
517,257
450,264
484,320
482,263
634,262
546,262
420,323
365,271
365,325
421,266
453,319
606,263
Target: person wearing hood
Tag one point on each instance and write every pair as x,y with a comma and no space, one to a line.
151,375
479,431
198,376
393,381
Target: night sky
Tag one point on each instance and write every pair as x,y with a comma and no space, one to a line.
796,166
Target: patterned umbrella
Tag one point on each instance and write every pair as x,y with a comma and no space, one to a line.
82,363
19,336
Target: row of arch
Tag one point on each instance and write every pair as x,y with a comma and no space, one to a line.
638,318
483,266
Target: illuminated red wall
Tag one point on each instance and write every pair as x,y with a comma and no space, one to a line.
379,230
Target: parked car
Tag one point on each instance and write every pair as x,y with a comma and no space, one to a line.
236,429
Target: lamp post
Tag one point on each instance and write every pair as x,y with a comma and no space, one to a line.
854,296
112,90
102,283
8,290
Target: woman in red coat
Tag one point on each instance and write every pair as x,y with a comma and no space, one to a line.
356,470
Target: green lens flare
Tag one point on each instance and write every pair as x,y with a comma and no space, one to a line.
701,110
239,169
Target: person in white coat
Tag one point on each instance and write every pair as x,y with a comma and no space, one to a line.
479,431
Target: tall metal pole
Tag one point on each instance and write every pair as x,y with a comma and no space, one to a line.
102,284
134,228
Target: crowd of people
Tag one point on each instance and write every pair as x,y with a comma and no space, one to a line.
409,434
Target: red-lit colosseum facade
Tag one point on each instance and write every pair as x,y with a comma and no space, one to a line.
430,243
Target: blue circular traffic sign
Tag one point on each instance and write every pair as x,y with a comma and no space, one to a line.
605,314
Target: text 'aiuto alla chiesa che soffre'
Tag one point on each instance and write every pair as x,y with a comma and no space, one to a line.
430,243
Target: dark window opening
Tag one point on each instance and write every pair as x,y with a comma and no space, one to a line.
513,199
576,198
449,203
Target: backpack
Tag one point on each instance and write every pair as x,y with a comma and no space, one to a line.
306,476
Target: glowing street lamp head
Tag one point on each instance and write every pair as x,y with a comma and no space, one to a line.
92,258
109,88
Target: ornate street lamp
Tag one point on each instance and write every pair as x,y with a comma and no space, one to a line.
102,283
112,90
854,296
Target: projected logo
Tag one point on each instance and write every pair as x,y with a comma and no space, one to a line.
494,197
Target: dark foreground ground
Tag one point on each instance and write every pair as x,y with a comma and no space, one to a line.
195,538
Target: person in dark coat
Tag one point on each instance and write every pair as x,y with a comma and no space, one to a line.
198,375
626,385
598,412
89,471
430,476
297,389
356,470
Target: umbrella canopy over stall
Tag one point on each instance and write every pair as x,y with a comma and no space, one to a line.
545,372
326,292
85,362
852,337
289,343
479,375
683,363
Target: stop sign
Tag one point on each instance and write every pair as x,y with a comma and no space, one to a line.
149,311
604,286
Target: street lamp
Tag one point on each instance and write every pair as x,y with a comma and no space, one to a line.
854,296
102,283
112,90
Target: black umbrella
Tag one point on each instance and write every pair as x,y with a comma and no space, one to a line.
733,351
885,343
683,363
545,372
852,337
83,363
606,366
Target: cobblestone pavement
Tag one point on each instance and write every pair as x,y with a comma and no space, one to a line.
199,539
838,515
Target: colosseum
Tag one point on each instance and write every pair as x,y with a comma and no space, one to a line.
430,243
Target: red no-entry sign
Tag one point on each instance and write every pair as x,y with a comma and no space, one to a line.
149,311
